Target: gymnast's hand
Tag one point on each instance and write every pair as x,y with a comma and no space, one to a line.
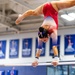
19,19
35,63
55,61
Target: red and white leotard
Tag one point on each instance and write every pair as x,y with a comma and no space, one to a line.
50,18
48,10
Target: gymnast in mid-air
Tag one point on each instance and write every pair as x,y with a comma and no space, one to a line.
49,26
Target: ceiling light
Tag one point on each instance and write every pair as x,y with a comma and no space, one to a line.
72,15
67,17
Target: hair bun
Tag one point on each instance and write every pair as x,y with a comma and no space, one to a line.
41,29
43,33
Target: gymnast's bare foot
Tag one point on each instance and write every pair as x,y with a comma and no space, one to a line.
19,19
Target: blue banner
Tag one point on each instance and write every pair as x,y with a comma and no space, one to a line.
58,46
2,48
69,45
14,48
27,47
43,47
12,72
2,72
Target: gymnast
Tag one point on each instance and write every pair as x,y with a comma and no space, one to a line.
49,26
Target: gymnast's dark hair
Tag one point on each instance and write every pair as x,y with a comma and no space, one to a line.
43,33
